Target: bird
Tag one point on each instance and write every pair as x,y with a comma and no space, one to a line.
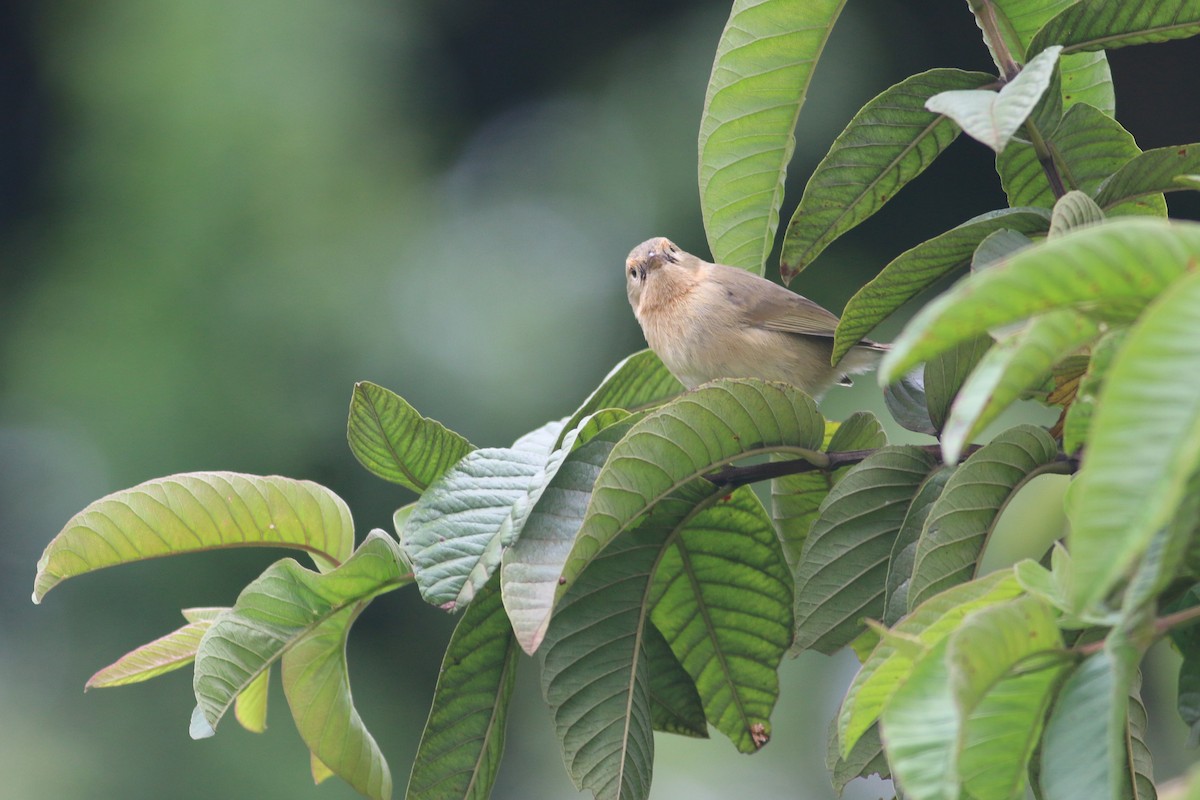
707,321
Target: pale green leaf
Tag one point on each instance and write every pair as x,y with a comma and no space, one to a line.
456,533
276,610
958,525
764,62
919,727
915,270
1083,747
393,441
927,625
1113,268
250,708
198,511
463,738
1004,679
722,599
840,580
1144,442
320,771
529,570
994,117
164,654
1012,367
317,686
888,143
934,735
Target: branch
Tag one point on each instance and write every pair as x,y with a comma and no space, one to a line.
732,477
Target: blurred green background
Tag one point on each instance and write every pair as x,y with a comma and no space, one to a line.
215,216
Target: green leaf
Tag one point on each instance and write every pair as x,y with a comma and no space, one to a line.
198,511
1144,442
675,705
1003,693
1137,729
865,758
919,728
1003,731
1087,147
904,549
1149,173
993,117
529,570
888,143
317,687
164,654
945,374
927,625
1019,21
1113,268
906,402
463,738
662,461
1083,747
1074,210
1012,367
595,676
250,708
1087,78
1187,642
394,442
997,246
796,498
1084,77
457,531
953,720
915,270
276,610
1166,556
763,65
639,382
1105,24
841,575
722,598
961,519
1079,414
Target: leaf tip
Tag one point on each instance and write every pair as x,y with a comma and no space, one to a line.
200,727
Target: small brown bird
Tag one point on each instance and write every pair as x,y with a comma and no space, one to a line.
708,321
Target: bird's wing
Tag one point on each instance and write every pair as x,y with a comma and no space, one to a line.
768,305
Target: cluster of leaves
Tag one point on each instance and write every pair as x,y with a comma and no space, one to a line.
624,546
